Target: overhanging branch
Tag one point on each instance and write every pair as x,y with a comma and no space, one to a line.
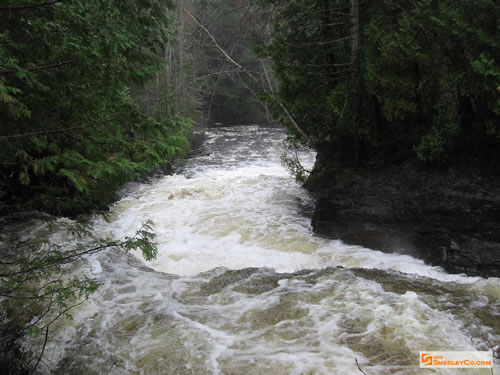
44,67
250,75
30,6
13,136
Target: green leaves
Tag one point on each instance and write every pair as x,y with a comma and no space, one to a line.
309,47
429,78
77,181
65,71
487,67
39,279
144,240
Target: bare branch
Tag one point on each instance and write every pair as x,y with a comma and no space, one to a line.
359,367
60,130
43,350
250,75
113,365
21,41
226,55
53,260
45,67
65,311
30,6
7,137
335,41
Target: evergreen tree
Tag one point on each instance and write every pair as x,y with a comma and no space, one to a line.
377,82
70,132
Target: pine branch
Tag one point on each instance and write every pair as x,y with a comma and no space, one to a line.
44,67
21,41
51,131
43,132
30,6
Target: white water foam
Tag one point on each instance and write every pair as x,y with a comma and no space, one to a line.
247,214
238,208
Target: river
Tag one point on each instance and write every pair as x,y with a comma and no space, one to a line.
242,285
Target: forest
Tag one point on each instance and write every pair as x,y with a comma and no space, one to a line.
378,82
97,93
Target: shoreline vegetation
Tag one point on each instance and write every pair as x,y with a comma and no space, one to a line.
401,102
86,105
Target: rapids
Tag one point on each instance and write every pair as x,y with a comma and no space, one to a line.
242,285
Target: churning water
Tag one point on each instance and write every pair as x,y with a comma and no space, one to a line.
242,286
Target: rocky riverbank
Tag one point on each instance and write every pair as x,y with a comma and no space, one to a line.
448,217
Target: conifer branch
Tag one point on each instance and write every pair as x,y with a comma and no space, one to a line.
30,6
44,67
51,131
43,132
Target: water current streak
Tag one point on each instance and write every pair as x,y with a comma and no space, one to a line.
242,285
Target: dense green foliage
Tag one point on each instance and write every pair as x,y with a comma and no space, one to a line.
83,108
93,93
70,132
424,80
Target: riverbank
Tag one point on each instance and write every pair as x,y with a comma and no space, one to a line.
448,217
238,267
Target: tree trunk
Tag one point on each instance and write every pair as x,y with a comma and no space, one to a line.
356,77
327,32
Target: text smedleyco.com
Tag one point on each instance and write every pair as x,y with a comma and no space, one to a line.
469,359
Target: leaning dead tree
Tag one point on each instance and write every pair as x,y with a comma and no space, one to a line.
228,57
